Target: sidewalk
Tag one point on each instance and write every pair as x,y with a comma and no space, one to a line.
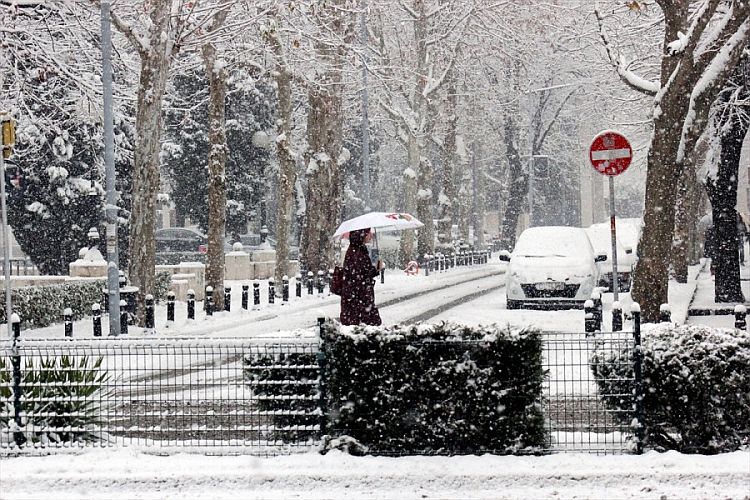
705,311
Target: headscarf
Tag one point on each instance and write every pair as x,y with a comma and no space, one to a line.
357,237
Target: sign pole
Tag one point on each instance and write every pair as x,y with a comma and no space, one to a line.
613,229
6,245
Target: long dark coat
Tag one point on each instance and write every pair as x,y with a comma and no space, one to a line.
358,292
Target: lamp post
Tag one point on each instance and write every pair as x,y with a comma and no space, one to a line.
113,256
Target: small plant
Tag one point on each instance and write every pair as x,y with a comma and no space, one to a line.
60,398
696,387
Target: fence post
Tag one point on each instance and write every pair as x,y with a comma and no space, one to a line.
245,296
150,312
589,321
322,384
123,317
665,313
209,301
740,317
191,304
298,285
310,282
271,291
170,307
426,264
227,298
96,314
256,295
382,274
68,318
285,289
616,316
15,360
638,376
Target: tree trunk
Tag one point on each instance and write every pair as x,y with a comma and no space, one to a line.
148,125
722,191
217,157
446,200
406,248
517,191
685,223
287,172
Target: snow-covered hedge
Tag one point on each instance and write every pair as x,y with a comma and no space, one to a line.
42,305
696,384
443,388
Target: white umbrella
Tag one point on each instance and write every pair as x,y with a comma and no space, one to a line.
378,220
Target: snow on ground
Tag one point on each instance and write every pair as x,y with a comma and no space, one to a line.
130,474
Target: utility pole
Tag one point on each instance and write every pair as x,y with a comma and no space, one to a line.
113,255
365,110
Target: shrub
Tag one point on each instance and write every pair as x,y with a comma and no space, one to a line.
443,388
40,306
162,283
696,384
57,401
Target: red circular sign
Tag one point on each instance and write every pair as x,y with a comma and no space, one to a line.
610,153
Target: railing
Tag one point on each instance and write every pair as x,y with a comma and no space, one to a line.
19,267
255,396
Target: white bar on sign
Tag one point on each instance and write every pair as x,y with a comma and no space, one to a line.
610,154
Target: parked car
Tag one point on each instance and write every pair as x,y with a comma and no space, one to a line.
180,239
551,267
627,241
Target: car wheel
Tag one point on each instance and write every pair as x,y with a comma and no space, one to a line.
513,304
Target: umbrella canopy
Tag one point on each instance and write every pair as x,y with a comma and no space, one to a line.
378,220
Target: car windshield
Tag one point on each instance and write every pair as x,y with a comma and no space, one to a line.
550,242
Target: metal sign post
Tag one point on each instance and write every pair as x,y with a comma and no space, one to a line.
610,154
7,140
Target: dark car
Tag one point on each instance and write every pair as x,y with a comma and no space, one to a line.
180,239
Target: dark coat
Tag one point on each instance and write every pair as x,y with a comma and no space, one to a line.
358,291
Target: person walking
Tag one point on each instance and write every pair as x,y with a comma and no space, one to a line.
358,282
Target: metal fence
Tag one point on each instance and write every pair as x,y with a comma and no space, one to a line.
165,393
250,396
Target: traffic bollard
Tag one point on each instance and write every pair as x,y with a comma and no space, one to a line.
149,312
256,294
426,264
208,303
616,316
329,280
589,317
245,296
271,291
227,298
285,289
310,282
191,304
596,297
665,313
96,313
68,317
740,317
170,307
298,285
123,317
321,282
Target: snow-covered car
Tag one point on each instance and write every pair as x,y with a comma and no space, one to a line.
551,267
627,242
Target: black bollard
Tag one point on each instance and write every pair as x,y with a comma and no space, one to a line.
149,312
256,294
298,285
208,303
123,317
382,274
96,314
665,313
329,280
227,298
740,317
310,283
596,297
170,306
589,321
271,292
321,282
426,264
616,317
285,289
15,362
191,304
68,317
245,296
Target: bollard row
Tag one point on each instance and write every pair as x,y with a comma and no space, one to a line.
440,262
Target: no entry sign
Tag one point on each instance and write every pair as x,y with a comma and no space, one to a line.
610,153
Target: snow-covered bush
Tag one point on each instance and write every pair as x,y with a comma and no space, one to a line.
43,305
443,388
696,387
59,401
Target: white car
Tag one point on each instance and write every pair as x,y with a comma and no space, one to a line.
551,267
627,242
